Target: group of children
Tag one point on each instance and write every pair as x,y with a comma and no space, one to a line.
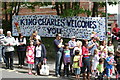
103,66
67,59
105,61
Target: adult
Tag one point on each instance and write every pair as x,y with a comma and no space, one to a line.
86,60
40,56
78,47
9,50
58,42
116,34
116,30
21,48
37,36
94,34
117,59
33,38
92,45
2,37
72,45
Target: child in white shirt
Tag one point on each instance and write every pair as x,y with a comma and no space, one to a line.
95,61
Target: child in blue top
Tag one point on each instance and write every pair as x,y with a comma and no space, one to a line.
66,57
109,65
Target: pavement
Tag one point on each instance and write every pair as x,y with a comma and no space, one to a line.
19,73
23,72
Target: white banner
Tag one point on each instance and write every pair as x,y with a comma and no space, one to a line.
50,25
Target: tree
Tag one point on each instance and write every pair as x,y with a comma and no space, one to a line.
96,5
67,9
64,9
12,8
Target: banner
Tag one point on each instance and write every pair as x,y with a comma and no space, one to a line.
50,25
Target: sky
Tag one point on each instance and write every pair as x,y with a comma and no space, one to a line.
113,9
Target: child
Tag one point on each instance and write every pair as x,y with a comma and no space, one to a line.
30,57
95,61
103,49
76,64
117,59
100,69
110,47
109,65
79,47
66,57
100,56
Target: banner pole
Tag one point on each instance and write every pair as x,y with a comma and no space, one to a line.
106,21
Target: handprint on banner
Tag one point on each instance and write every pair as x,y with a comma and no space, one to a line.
17,27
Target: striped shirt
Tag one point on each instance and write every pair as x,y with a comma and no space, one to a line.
2,37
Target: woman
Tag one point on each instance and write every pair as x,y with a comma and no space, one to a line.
37,36
78,47
40,55
21,42
34,38
86,60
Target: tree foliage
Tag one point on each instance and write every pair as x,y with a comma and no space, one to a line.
64,9
13,8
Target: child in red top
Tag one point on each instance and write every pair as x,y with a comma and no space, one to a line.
30,57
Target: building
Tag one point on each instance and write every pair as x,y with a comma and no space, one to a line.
112,20
48,10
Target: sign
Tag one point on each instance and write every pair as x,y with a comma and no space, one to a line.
50,25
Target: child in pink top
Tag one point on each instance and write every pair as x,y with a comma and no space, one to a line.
30,56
